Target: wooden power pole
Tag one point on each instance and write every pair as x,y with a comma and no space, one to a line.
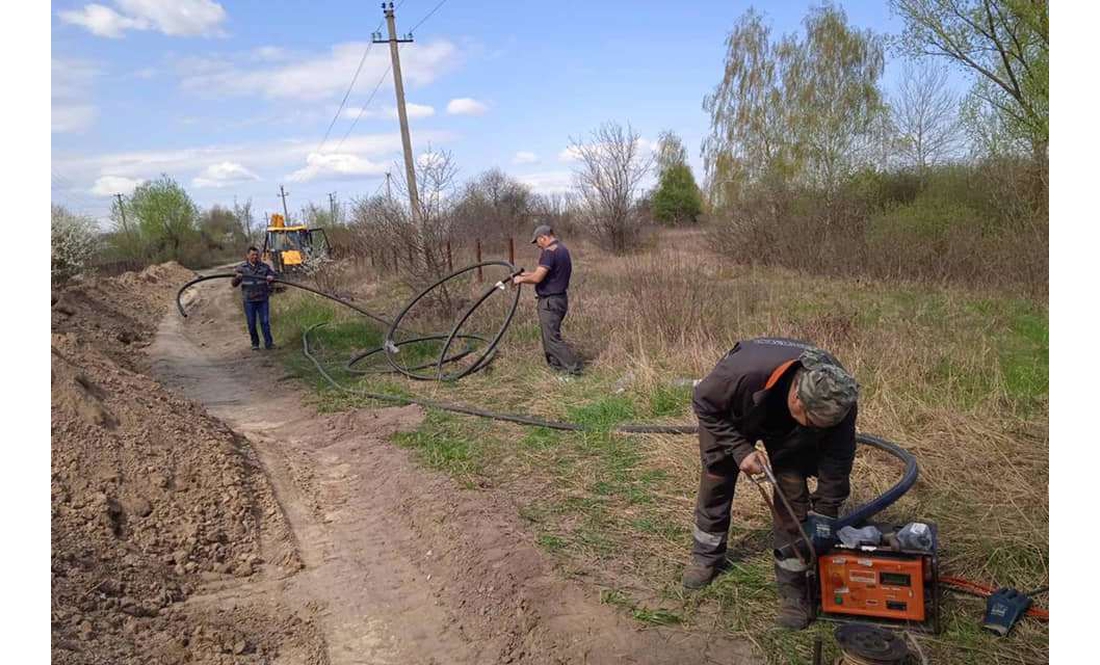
122,211
332,207
286,215
399,88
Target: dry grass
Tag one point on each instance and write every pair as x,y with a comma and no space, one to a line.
958,378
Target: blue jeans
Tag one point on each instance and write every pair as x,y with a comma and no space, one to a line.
259,308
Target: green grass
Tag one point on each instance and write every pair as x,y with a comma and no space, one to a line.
442,443
940,368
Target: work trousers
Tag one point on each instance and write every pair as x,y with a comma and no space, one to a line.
794,458
559,355
258,309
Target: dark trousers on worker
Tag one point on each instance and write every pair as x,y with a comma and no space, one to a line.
794,458
559,355
258,309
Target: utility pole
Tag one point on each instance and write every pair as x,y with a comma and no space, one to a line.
282,195
389,194
122,211
399,89
332,206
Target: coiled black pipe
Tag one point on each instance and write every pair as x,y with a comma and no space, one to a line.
486,357
855,517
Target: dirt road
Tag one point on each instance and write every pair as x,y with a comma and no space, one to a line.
399,565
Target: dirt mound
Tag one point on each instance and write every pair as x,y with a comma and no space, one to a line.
119,314
152,498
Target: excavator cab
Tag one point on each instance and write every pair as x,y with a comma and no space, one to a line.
287,248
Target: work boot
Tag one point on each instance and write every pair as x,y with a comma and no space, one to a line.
698,575
794,604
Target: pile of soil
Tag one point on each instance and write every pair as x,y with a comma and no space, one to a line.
152,498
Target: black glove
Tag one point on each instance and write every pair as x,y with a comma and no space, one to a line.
1003,609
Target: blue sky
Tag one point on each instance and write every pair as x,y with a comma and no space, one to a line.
234,98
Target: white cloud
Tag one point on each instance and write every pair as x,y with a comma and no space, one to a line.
336,166
313,77
176,18
71,118
278,157
466,106
523,157
414,111
269,53
109,185
102,21
549,182
223,174
71,83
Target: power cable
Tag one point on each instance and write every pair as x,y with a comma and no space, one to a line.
364,106
429,15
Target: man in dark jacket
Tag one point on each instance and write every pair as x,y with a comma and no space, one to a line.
551,280
255,277
801,403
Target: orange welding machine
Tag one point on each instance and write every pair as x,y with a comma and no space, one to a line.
884,582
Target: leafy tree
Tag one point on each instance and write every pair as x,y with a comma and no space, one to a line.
221,232
807,108
670,152
1006,44
74,239
165,216
676,199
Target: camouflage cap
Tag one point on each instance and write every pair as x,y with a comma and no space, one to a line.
825,388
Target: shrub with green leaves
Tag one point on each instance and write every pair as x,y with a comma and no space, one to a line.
73,241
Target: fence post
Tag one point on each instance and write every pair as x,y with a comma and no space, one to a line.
372,257
479,276
450,264
511,250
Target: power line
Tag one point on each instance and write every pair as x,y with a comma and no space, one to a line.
364,106
344,101
351,86
421,22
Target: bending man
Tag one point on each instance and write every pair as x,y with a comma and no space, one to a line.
801,403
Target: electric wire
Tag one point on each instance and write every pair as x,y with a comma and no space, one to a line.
364,106
428,16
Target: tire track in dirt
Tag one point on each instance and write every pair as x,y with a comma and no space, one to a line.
400,565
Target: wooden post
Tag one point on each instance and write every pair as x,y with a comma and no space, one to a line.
511,250
450,263
479,276
372,257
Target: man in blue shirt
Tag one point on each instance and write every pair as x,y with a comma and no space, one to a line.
255,277
551,280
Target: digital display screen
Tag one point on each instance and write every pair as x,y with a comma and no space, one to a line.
893,579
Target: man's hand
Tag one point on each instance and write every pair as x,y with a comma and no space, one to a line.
753,464
518,279
270,278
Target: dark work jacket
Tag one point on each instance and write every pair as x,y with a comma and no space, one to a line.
254,287
732,405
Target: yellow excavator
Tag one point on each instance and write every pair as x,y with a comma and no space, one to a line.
287,248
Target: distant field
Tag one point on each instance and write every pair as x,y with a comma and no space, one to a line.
959,378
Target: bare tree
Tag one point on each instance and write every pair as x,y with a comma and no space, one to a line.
608,177
493,204
926,116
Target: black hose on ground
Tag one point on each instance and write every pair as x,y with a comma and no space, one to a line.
857,516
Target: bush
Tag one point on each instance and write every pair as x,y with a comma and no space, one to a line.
677,200
74,239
